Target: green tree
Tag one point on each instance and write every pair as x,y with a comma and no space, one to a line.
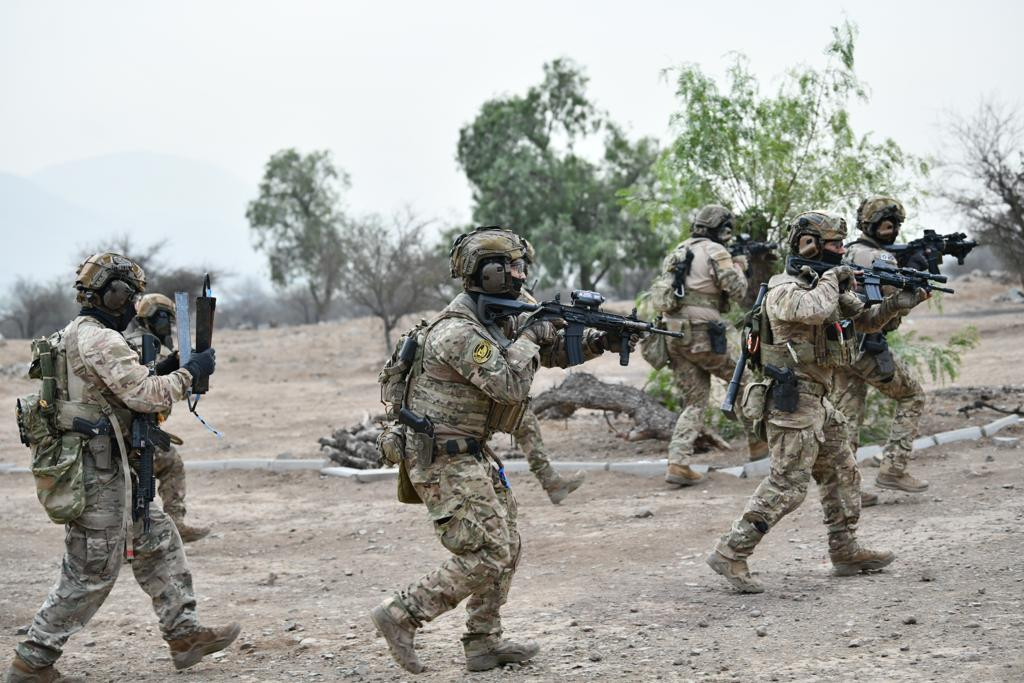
297,221
769,157
521,155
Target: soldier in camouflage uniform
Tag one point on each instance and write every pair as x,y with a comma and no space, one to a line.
100,375
155,316
806,325
471,383
879,220
698,280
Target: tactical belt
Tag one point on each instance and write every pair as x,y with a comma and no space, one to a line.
461,445
699,299
812,388
67,411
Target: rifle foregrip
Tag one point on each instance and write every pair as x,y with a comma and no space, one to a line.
624,351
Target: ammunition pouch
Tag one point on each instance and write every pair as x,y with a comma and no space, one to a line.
877,345
717,337
654,348
505,417
754,406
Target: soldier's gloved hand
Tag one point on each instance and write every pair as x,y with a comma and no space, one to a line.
845,276
850,305
613,342
907,299
741,262
168,365
540,332
201,364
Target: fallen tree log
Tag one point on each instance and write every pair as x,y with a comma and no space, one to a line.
651,419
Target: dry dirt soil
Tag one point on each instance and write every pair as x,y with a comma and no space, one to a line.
612,584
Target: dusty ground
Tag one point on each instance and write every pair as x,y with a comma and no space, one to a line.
607,593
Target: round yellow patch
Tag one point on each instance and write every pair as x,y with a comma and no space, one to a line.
482,352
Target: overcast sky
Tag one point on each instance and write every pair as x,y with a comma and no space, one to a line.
386,85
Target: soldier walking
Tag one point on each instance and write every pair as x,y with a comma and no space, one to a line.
806,326
96,375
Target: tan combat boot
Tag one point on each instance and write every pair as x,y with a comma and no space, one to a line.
558,487
483,654
20,672
398,628
891,478
849,558
188,532
187,651
682,475
735,572
757,451
868,499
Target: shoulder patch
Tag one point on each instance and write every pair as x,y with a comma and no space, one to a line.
483,352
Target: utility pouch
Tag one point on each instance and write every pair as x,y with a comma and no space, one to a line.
503,417
391,444
784,391
716,337
100,450
753,402
406,491
876,345
654,348
60,486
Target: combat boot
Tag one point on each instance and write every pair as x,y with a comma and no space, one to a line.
682,475
849,558
868,499
558,487
187,651
735,572
398,628
483,654
757,451
20,672
190,533
891,478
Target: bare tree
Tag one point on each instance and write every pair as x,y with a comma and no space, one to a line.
392,268
32,309
986,181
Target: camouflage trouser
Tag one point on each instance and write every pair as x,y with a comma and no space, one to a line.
529,439
94,548
850,397
474,516
170,473
691,377
811,442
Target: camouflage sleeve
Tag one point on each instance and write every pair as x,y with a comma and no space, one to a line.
556,356
792,303
504,377
729,278
108,355
874,318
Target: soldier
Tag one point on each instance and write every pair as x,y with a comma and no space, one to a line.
698,280
805,327
99,375
470,383
155,316
529,439
879,220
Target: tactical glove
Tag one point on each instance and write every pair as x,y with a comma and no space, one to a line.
845,276
613,342
907,299
850,305
541,332
168,365
201,364
740,261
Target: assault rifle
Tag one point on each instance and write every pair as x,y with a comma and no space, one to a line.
583,311
750,344
743,245
146,438
927,252
880,274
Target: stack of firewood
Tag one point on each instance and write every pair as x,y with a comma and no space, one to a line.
355,446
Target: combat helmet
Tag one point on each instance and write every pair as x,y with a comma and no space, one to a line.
155,314
713,221
485,257
875,210
824,226
109,281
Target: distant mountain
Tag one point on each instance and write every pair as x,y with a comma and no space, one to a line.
196,207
